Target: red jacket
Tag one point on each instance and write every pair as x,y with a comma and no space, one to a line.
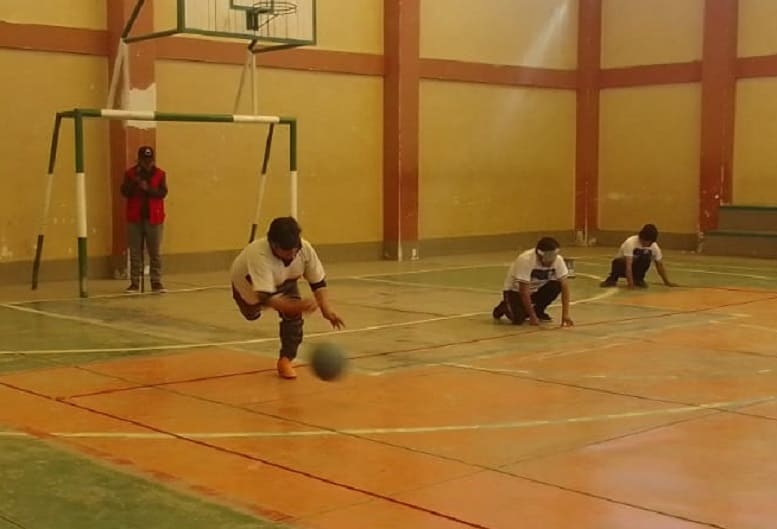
151,202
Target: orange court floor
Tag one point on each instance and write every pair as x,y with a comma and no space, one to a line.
658,410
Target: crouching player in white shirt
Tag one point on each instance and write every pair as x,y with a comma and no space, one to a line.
634,259
265,275
533,282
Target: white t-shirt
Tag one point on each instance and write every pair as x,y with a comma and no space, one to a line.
631,247
528,268
267,273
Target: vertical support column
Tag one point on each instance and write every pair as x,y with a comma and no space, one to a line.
718,86
78,120
400,128
139,93
587,134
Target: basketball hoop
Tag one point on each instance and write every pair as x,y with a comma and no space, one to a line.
269,9
270,23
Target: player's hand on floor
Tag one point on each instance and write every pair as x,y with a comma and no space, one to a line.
534,321
567,322
333,318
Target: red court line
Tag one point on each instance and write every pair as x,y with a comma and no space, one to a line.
246,456
156,384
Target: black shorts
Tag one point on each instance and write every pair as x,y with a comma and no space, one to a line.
249,311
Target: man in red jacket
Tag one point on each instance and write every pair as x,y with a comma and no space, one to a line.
145,188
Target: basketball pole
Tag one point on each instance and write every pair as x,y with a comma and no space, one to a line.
250,63
262,182
241,83
122,55
254,95
118,68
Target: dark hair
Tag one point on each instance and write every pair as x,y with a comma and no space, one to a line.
649,233
284,233
548,244
146,152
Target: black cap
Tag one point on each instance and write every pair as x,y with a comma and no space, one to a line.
146,152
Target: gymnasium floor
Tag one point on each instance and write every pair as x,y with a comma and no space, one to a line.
658,410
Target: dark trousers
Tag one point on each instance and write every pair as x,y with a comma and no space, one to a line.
512,305
140,234
290,326
639,267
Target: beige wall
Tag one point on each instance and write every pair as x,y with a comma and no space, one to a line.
757,35
649,158
350,25
651,32
755,155
213,168
483,149
68,13
28,116
540,33
495,160
755,158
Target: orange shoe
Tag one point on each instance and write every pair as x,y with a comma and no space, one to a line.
285,369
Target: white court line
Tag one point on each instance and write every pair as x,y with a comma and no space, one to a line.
588,260
90,321
56,315
585,259
757,327
444,287
604,376
541,355
171,347
226,285
710,272
425,285
558,354
512,425
663,328
180,346
544,355
118,295
430,270
499,264
680,264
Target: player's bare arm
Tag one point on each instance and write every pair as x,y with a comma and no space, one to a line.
661,269
322,297
525,291
566,319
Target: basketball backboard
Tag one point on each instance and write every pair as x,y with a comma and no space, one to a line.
271,23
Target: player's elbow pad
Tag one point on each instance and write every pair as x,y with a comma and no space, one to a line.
316,286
